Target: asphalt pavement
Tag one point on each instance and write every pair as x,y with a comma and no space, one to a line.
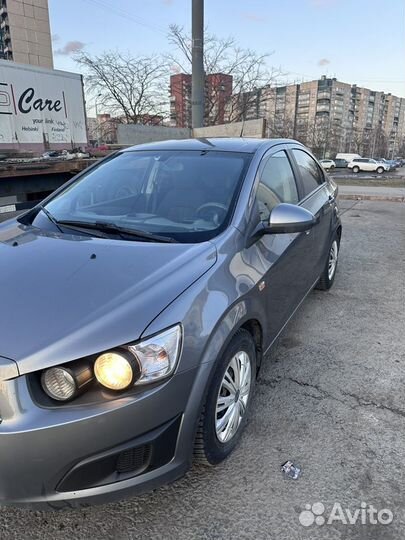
330,397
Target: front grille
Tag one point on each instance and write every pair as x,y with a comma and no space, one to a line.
134,459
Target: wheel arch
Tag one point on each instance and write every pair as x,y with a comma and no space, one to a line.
254,327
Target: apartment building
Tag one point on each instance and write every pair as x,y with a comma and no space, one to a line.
331,116
218,91
25,35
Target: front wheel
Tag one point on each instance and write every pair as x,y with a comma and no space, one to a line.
327,277
228,401
380,170
356,169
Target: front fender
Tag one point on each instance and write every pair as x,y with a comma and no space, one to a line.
210,317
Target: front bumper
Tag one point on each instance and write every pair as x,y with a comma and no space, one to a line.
75,456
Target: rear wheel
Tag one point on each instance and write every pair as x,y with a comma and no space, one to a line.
327,277
356,169
380,170
228,401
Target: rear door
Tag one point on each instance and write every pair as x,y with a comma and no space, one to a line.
317,197
371,165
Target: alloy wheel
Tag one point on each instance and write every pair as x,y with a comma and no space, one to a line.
233,396
333,257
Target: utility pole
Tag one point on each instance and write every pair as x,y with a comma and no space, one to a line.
197,77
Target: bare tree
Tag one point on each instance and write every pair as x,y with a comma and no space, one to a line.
323,137
379,143
281,125
357,141
248,69
132,89
401,148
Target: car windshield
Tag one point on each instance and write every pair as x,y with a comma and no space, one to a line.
185,195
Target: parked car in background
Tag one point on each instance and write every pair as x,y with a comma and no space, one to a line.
327,164
341,163
368,165
384,161
392,163
142,298
347,157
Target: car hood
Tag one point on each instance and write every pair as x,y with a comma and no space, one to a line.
67,296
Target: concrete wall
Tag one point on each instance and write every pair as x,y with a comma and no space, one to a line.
129,134
138,134
251,128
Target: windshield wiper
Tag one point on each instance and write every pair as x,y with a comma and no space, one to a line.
50,217
116,229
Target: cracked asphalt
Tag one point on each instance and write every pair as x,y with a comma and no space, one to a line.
330,397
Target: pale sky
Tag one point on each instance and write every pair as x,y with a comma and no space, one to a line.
357,41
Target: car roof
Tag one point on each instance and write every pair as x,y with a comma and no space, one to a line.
220,144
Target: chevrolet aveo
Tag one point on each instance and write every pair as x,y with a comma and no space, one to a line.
138,302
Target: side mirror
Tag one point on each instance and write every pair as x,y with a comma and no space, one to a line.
289,218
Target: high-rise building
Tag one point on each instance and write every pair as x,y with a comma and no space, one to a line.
25,35
180,100
218,91
331,116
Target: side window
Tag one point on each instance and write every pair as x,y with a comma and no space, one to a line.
311,174
276,184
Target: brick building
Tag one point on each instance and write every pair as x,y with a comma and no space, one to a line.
218,91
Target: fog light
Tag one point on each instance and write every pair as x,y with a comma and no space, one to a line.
117,370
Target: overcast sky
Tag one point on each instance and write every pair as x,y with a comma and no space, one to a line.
357,41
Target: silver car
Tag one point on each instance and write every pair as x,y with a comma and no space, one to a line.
138,303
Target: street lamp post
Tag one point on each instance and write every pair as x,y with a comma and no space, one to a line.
97,126
197,72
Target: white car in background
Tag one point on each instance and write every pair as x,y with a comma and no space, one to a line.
327,164
368,165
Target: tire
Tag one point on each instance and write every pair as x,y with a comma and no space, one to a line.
211,444
380,170
327,277
356,169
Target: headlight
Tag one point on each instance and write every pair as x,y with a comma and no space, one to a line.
64,383
117,370
145,362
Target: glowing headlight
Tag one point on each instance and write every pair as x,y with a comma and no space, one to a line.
116,370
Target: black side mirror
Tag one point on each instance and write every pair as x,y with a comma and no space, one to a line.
289,218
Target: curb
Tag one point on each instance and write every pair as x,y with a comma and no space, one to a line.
359,197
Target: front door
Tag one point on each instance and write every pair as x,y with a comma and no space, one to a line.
283,260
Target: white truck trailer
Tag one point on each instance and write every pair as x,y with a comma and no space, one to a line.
40,109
